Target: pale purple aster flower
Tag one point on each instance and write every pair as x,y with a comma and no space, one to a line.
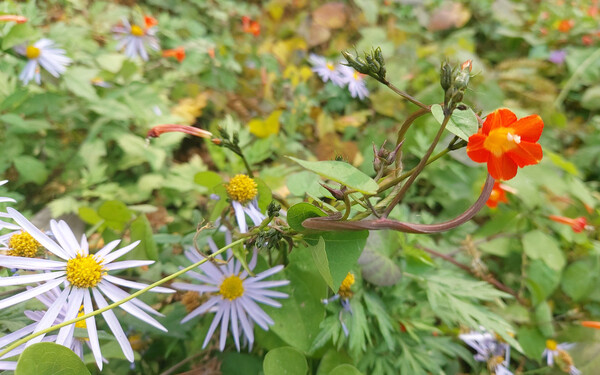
328,71
553,350
73,343
5,199
355,81
558,56
242,190
489,349
133,39
84,278
233,295
43,53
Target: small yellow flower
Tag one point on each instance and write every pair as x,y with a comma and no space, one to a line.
23,245
345,291
242,188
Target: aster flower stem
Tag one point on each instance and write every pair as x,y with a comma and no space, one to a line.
407,96
419,167
118,303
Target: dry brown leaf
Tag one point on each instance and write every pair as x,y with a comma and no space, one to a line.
447,16
331,15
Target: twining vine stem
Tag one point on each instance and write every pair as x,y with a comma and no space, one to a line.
118,303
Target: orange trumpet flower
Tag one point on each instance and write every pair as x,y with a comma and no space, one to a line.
160,129
505,143
498,194
178,53
12,18
578,224
150,21
250,27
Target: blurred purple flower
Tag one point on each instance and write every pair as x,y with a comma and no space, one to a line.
558,56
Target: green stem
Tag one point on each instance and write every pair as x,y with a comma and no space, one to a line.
571,82
118,303
407,96
419,166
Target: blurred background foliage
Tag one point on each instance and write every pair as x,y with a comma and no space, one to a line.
73,147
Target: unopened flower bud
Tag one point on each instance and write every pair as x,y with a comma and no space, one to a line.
337,193
446,76
467,65
273,209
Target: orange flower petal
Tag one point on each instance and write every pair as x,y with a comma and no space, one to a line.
591,324
498,118
502,167
526,153
475,149
529,128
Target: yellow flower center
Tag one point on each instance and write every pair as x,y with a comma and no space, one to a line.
231,288
345,291
501,140
242,188
32,52
551,344
23,245
84,271
81,323
136,30
356,76
330,66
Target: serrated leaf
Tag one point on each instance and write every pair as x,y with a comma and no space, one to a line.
462,123
541,281
532,342
49,359
341,172
300,212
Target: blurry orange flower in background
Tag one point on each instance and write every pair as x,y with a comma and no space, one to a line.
250,27
505,143
578,224
565,26
178,53
150,21
498,194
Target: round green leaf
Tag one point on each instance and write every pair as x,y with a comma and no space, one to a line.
462,123
300,212
345,369
208,179
48,358
539,245
285,361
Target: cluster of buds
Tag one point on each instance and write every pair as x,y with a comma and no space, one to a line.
372,64
231,142
454,81
383,157
273,209
267,239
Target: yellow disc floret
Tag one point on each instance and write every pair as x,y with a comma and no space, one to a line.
32,52
84,271
136,30
242,188
23,245
551,344
345,291
231,288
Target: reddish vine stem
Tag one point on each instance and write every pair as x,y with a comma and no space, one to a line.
333,222
487,278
